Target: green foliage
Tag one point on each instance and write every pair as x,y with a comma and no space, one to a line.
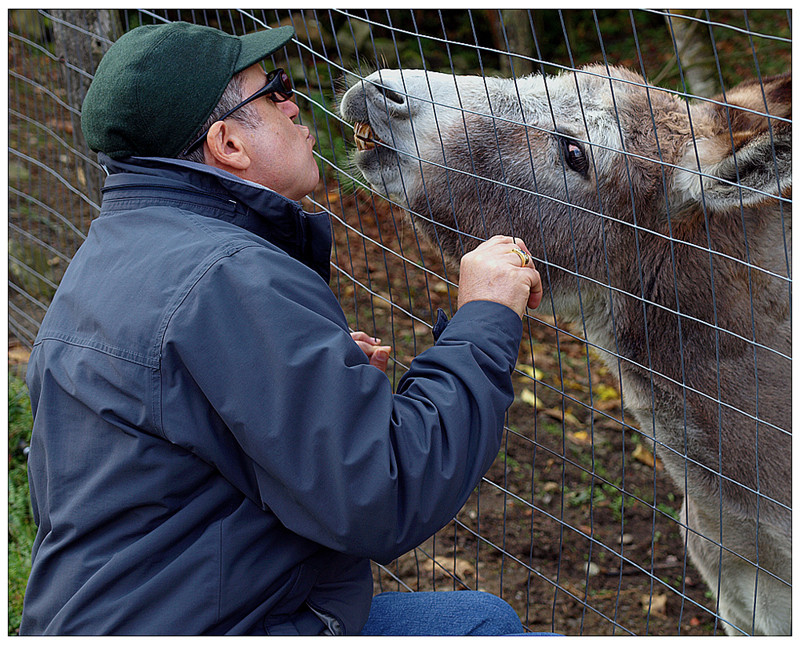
21,528
673,512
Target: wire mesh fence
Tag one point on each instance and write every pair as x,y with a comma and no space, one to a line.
654,191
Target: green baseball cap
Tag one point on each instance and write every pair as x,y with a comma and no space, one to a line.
157,85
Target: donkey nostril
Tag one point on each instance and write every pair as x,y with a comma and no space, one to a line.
394,97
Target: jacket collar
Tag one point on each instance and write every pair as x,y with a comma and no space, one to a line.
279,220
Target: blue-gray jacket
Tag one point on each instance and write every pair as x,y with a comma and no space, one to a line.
211,452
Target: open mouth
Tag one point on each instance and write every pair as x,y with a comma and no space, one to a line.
364,136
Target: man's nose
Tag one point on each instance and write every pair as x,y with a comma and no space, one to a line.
289,108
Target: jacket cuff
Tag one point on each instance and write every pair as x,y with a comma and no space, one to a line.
440,324
483,323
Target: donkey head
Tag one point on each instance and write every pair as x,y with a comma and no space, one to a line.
590,168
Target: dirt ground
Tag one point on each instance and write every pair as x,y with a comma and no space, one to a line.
575,523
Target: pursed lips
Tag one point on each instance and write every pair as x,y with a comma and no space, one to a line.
309,136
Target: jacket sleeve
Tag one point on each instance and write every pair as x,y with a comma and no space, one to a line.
306,428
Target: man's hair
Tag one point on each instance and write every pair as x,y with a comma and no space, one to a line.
231,97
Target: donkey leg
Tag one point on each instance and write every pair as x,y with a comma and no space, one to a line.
774,606
750,600
774,584
709,558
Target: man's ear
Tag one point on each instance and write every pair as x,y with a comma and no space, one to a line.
224,148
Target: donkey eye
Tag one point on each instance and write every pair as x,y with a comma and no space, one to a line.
574,156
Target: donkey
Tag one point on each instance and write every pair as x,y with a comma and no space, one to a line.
663,227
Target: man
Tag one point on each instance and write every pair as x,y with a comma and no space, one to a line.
213,452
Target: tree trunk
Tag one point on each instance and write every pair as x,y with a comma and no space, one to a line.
81,38
512,33
695,54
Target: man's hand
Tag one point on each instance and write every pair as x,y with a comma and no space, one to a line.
378,354
494,271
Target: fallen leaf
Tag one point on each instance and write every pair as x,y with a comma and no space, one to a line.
580,437
646,457
643,455
563,415
18,355
421,329
593,569
574,386
464,569
531,371
655,604
60,124
605,392
444,567
605,405
551,487
526,396
378,303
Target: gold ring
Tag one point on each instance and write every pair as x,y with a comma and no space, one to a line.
526,259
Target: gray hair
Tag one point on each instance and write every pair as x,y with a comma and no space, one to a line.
231,97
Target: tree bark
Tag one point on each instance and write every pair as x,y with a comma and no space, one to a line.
513,26
695,54
82,37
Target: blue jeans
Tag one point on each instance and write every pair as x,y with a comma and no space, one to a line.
441,613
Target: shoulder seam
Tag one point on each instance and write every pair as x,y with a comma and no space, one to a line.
226,252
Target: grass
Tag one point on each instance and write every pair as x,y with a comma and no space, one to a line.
21,528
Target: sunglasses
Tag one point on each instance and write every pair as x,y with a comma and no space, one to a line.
277,89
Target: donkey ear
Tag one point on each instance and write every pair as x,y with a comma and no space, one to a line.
749,159
757,167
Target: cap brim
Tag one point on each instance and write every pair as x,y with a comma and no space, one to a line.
260,44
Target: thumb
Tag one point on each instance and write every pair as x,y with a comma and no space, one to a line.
380,358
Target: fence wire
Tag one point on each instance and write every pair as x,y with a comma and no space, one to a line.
681,297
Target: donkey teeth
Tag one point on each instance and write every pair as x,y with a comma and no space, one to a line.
364,136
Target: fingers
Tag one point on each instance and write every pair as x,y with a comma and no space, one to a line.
537,291
522,254
513,245
378,354
380,358
524,258
501,269
361,337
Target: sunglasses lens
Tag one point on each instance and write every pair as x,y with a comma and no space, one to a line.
285,90
279,86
